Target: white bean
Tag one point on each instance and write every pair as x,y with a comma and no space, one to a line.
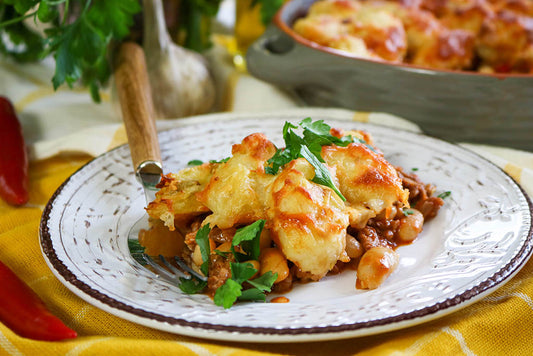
410,226
353,247
375,267
273,260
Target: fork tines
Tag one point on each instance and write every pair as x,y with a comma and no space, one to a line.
169,271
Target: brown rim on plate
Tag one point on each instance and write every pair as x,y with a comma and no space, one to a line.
287,29
485,286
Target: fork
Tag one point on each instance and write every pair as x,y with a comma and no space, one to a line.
135,98
168,271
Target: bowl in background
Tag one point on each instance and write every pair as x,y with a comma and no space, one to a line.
458,106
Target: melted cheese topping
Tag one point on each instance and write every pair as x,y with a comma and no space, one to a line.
484,35
235,193
176,197
365,31
307,221
369,183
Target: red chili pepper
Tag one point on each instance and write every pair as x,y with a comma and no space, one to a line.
25,313
13,157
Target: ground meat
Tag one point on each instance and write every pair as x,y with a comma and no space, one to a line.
222,235
302,276
417,189
429,207
219,272
385,228
420,194
283,286
369,238
190,237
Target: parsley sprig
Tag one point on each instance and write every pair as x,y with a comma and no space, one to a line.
309,146
78,40
239,286
445,194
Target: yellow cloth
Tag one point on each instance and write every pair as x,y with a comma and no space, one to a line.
67,122
500,324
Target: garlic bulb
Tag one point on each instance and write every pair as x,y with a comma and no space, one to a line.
179,78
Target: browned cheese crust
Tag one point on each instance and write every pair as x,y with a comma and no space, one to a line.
482,35
309,231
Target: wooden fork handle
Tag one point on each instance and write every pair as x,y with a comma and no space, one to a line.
133,88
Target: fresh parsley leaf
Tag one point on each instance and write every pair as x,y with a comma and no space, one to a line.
444,195
280,158
21,6
224,160
227,294
16,38
318,127
202,239
260,286
192,285
252,294
46,12
322,175
249,238
241,272
408,212
264,282
414,169
136,251
195,162
79,45
223,254
316,134
241,257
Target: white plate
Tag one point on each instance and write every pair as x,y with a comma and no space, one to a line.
479,240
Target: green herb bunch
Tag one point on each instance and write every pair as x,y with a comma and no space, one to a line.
78,34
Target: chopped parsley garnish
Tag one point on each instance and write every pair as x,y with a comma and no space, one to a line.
408,212
444,195
248,237
192,285
315,135
195,162
232,290
224,160
414,169
239,286
136,251
202,239
226,295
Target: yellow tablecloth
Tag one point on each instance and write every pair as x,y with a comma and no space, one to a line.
64,130
500,324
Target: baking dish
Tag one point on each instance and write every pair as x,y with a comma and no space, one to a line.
458,106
